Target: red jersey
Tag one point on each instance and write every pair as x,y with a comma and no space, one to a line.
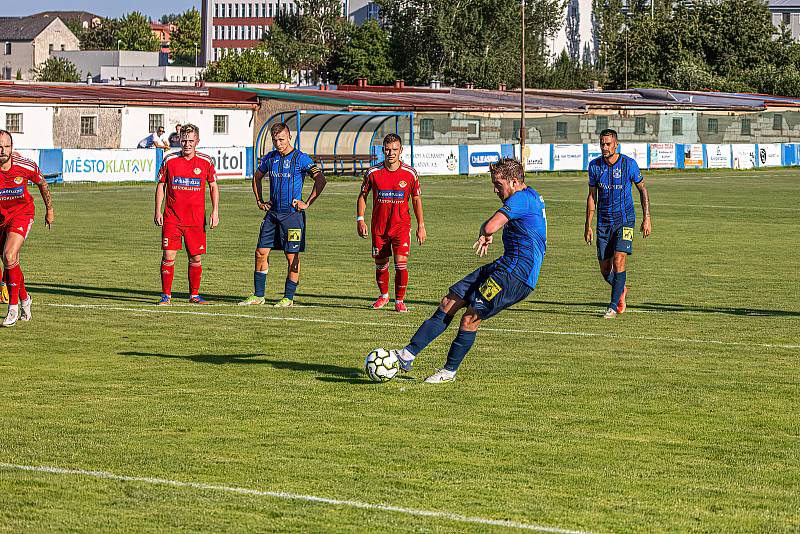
186,188
14,196
391,192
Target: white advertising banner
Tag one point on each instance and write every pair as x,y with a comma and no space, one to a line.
592,153
744,156
637,151
538,157
662,155
432,160
719,156
769,155
480,156
567,157
109,165
692,156
229,162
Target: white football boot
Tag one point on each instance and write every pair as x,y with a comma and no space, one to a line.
25,309
13,315
441,375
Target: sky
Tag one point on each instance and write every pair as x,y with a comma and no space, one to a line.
106,8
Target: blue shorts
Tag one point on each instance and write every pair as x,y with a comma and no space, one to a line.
613,239
283,231
490,289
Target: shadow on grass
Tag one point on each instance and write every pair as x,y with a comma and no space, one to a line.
340,372
666,308
116,293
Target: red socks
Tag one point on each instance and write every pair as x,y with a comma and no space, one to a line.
382,277
14,278
400,280
167,274
195,273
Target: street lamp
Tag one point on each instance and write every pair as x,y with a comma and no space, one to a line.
119,42
522,157
195,55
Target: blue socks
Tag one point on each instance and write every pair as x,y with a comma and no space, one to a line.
428,331
288,289
259,282
609,278
617,288
458,349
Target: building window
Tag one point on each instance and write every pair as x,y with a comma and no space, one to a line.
786,18
6,75
677,126
640,127
88,125
155,122
220,124
561,130
216,10
50,49
14,122
713,126
600,124
745,126
373,11
516,125
777,122
473,128
426,129
7,50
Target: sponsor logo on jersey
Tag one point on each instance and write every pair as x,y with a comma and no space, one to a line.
489,289
391,195
18,180
293,234
616,172
185,182
197,170
627,233
402,183
12,193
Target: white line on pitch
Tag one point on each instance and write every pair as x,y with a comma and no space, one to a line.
290,496
162,310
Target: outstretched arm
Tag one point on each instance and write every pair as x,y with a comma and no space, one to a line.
416,202
50,216
645,199
591,203
495,223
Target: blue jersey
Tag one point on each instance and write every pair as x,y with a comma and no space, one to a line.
613,183
286,174
524,236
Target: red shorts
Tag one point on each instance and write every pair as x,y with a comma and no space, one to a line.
19,223
193,236
397,244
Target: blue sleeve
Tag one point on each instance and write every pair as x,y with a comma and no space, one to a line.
262,165
514,207
592,178
634,172
304,163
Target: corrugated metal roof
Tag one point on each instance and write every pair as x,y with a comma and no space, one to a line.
116,95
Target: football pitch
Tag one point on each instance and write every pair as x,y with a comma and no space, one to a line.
680,415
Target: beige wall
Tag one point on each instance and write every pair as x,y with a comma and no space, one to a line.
56,34
20,59
67,127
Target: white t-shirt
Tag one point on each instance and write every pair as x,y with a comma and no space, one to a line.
150,140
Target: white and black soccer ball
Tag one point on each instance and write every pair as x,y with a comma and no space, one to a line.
381,365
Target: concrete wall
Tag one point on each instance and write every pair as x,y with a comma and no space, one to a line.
171,74
67,127
20,59
135,122
37,125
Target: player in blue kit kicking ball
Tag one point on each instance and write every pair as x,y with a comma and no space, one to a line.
495,286
610,179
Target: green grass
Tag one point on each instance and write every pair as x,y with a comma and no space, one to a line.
681,415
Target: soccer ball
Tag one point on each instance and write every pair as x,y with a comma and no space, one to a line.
381,365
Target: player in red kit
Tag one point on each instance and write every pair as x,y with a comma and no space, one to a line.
16,219
182,179
393,184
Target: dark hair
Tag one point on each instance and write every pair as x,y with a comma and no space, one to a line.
609,131
508,169
278,127
6,132
392,138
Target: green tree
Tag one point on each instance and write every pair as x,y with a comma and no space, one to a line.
365,55
186,37
135,34
170,18
101,37
311,40
57,69
253,65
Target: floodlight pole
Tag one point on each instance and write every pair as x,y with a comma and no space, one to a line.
522,157
195,55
